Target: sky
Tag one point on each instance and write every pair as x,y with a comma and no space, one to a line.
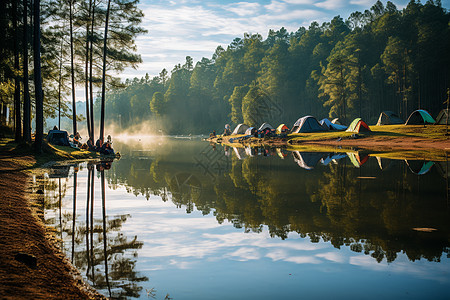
195,28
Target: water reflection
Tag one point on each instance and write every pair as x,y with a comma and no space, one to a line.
102,253
367,203
372,206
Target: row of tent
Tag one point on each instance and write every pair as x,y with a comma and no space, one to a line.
417,117
310,124
304,125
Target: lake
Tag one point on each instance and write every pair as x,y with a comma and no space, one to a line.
178,218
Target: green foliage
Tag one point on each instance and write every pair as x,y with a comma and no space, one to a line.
157,103
376,60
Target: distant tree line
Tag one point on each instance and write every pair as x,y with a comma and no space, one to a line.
376,60
75,43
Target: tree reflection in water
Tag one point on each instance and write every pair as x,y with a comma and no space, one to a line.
99,249
364,207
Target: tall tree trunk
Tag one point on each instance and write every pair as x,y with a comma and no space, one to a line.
74,110
17,117
88,115
102,108
26,88
60,82
38,78
91,85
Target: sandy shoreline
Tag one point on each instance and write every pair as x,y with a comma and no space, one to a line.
31,265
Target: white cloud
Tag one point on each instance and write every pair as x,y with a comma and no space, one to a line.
299,2
303,260
365,3
243,8
245,254
332,4
332,256
276,7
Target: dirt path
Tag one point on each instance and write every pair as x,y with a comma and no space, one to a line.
31,266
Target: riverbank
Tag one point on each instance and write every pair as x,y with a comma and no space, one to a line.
31,264
388,141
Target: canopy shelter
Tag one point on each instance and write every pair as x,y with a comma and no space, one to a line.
419,167
389,118
358,126
240,129
328,125
307,160
282,129
358,159
265,126
58,137
420,117
443,117
250,131
307,124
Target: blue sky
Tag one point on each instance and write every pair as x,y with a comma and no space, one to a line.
180,28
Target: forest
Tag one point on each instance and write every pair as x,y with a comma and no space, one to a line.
51,47
376,60
381,59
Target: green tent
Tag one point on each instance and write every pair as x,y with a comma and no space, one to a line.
420,117
358,125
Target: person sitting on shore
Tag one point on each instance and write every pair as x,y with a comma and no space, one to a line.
76,139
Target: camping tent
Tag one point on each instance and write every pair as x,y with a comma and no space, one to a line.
357,159
419,117
336,121
240,129
307,160
282,129
58,137
326,124
307,124
443,117
332,157
419,167
265,126
282,153
250,131
389,118
358,125
239,152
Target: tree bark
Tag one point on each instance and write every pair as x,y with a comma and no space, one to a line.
74,110
26,88
102,109
88,118
91,85
17,116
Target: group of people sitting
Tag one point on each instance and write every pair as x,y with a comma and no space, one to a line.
99,146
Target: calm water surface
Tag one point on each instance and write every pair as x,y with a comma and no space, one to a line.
177,218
